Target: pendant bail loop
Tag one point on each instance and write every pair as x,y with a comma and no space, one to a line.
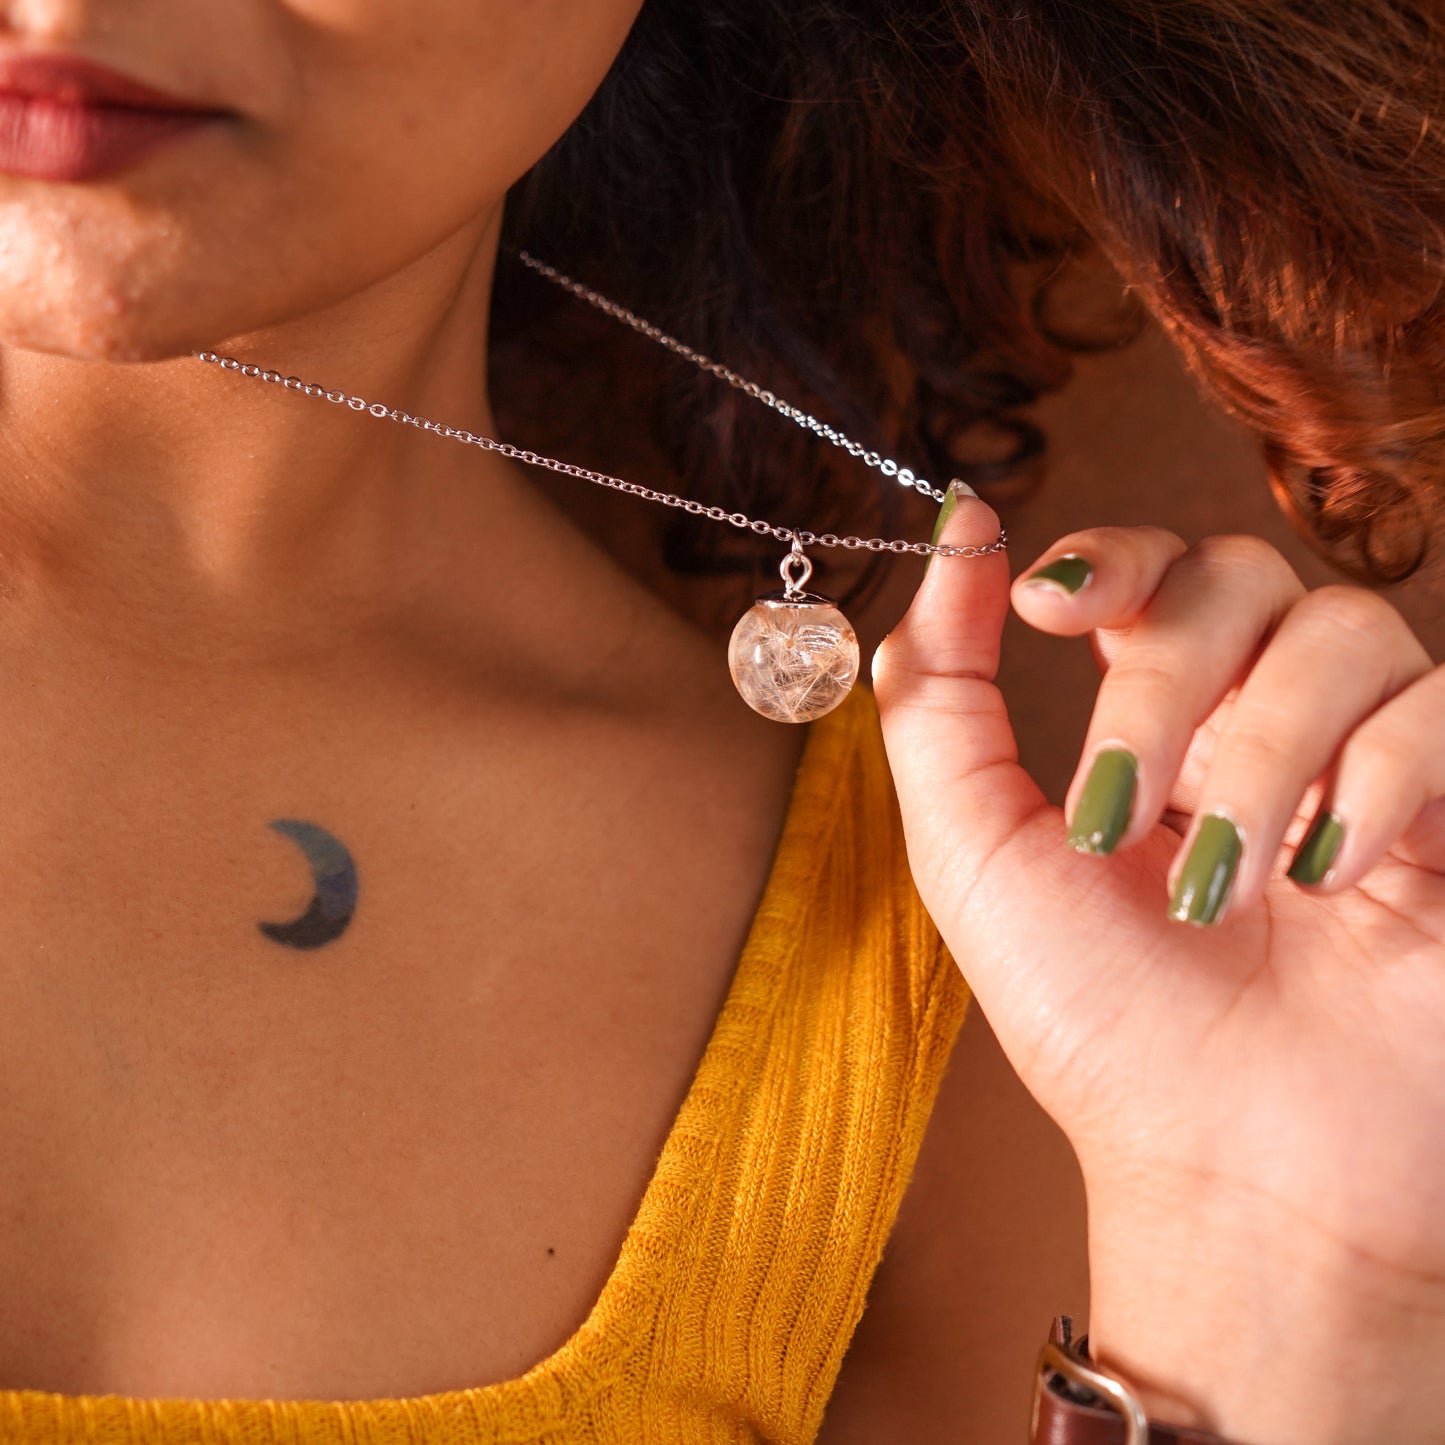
797,559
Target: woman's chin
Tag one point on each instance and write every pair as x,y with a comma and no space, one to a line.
167,302
78,334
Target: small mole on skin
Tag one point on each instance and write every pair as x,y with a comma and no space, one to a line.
551,1250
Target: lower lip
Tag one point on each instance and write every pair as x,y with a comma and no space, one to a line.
43,140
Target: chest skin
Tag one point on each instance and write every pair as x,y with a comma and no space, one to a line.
399,1162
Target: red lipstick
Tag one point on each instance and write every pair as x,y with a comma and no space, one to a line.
66,119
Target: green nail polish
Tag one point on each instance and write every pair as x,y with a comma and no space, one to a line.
1208,872
950,503
956,491
1070,573
1321,846
1106,802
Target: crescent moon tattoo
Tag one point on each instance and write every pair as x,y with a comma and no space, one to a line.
334,900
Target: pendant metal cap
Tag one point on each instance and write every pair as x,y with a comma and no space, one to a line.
783,598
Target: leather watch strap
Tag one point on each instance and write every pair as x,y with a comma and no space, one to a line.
1067,1414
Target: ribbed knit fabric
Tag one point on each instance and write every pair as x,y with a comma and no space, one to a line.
746,1268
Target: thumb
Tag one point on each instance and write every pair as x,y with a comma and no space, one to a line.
951,749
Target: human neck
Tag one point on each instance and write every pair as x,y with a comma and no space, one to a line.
179,490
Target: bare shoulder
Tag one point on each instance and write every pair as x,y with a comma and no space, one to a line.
990,1243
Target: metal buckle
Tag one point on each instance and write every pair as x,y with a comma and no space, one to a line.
1076,1372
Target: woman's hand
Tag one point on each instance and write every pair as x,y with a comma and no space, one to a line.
1257,1102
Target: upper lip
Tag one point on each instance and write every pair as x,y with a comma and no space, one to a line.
69,80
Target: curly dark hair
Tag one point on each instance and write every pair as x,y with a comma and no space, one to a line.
862,204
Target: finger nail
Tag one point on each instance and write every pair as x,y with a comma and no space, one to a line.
1105,804
1204,882
1068,574
1316,855
956,491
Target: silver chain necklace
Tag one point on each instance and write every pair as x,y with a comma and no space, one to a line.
793,655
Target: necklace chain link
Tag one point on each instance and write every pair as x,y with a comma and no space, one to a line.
797,536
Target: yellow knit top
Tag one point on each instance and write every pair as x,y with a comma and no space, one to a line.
745,1270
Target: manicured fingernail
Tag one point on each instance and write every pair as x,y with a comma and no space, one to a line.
1207,876
951,498
956,491
1066,573
1321,846
1106,802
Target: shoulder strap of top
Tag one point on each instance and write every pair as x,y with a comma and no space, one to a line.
811,1102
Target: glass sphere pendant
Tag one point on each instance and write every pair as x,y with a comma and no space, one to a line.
793,655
